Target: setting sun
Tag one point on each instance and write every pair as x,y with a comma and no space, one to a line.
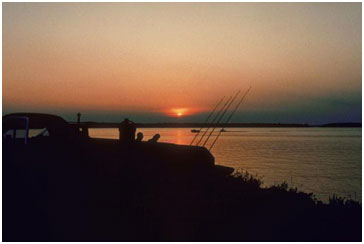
182,111
178,112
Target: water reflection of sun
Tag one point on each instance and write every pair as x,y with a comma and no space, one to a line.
179,137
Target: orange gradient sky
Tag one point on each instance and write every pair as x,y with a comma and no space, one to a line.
169,57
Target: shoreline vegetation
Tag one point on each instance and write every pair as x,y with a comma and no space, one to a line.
283,213
220,125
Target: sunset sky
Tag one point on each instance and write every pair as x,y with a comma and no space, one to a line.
155,62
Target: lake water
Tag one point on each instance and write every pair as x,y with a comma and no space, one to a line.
319,160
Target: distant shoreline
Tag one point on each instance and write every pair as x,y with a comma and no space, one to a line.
222,125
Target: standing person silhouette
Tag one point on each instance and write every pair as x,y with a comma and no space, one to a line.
127,131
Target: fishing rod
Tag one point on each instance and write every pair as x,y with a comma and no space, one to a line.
208,117
213,121
217,123
231,115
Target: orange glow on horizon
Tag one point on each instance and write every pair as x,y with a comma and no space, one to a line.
178,112
181,112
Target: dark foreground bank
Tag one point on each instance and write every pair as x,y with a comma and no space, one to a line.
65,202
61,185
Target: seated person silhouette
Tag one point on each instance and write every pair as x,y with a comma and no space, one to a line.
139,137
154,139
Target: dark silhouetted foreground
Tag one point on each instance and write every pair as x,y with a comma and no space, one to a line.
68,187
